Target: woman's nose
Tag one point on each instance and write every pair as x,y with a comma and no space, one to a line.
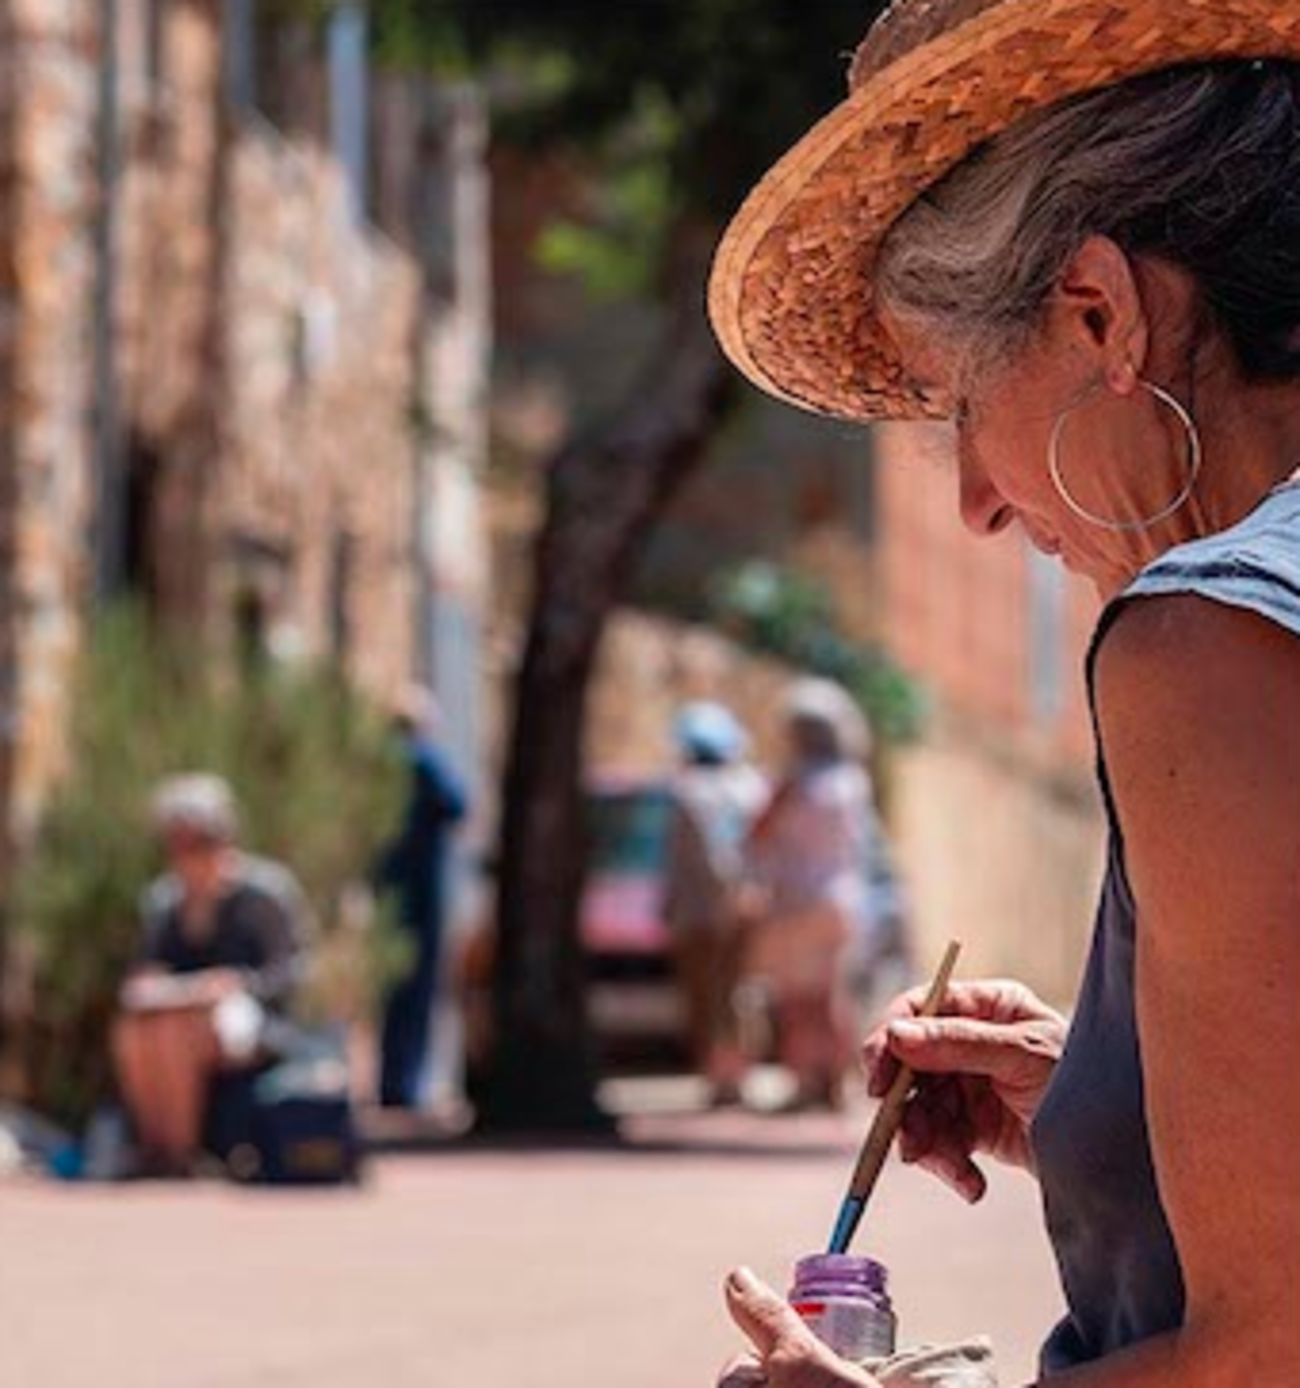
984,510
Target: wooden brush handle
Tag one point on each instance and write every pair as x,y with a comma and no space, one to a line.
890,1113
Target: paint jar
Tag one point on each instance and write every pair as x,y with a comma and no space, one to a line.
844,1300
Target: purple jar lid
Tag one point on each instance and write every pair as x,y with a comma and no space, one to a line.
841,1274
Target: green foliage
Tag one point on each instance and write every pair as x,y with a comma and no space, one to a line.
318,786
617,248
415,35
790,616
720,87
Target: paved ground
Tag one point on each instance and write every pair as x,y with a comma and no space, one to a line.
472,1268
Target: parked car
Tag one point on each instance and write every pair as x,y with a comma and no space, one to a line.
635,1005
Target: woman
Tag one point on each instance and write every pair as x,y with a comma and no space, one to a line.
224,949
807,872
1073,228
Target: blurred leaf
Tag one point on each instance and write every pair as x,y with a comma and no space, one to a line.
741,78
788,615
617,250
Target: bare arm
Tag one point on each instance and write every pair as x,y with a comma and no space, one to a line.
1200,718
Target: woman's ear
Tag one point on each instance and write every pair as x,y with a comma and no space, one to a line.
1100,310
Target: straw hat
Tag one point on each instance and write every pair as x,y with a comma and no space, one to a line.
790,295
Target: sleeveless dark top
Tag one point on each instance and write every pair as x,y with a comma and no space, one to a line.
1118,1264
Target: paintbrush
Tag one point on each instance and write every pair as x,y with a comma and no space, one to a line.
885,1124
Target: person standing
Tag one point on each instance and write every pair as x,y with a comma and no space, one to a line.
414,870
716,795
808,866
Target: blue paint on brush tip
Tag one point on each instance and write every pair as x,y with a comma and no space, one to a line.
847,1223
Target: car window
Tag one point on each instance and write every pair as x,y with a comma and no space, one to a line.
627,829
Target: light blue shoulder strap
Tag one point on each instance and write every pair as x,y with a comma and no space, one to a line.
1254,565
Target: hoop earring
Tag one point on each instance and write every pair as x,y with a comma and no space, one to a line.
1121,527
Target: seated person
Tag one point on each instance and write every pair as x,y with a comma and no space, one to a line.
224,948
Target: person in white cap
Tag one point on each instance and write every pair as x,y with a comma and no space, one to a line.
715,796
1071,228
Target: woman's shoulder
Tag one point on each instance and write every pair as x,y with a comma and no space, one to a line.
1210,592
1179,672
1254,564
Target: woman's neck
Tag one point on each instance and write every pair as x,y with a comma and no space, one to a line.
1252,445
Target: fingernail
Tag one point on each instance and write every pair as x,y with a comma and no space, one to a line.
906,1032
743,1281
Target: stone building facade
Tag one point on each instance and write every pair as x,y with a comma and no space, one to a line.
243,330
49,98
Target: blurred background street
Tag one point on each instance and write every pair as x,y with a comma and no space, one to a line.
505,1268
437,696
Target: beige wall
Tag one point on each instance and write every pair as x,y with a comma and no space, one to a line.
958,608
649,666
998,821
999,854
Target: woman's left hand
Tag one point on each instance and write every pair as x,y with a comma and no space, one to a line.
786,1353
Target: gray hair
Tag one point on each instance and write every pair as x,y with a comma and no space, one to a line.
199,802
1198,166
825,721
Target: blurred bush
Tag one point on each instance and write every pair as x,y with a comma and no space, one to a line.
319,785
790,616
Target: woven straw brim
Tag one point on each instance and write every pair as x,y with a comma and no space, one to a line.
791,288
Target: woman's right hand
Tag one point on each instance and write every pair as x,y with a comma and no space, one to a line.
981,1071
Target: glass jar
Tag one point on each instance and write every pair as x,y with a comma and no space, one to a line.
844,1300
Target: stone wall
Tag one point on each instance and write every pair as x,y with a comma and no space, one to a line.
273,359
48,107
268,344
317,510
167,336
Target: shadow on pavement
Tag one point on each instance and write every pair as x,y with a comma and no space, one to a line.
664,1116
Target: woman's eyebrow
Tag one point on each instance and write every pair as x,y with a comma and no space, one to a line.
931,391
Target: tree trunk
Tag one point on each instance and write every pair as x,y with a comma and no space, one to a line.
606,491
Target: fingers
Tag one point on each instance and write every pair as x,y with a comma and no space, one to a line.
877,1059
986,999
937,1135
786,1353
769,1322
744,1371
960,1046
